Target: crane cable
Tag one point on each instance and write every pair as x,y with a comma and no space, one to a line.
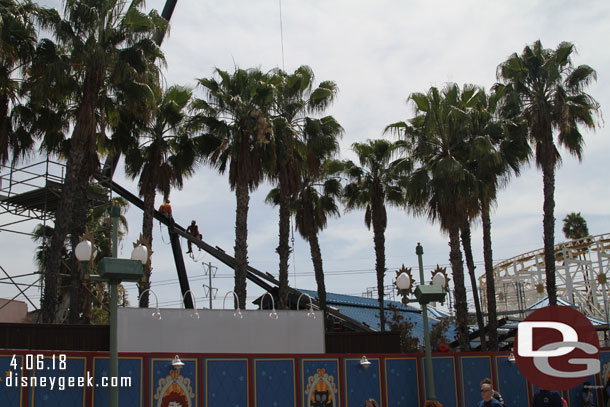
161,232
282,35
294,261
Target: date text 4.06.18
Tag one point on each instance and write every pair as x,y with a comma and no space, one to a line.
39,362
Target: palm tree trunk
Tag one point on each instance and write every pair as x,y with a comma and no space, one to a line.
147,232
242,196
316,258
548,222
53,259
467,245
489,276
82,145
78,222
461,306
283,248
379,240
4,126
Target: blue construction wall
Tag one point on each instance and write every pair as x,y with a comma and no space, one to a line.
264,380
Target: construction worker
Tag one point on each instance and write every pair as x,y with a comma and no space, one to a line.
166,209
193,230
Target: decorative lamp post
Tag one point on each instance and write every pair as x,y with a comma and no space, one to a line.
113,270
424,294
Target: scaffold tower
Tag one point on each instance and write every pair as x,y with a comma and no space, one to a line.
29,196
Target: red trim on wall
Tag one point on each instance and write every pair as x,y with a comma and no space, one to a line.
146,379
200,381
25,391
420,384
494,377
341,374
382,391
89,390
458,378
297,381
250,369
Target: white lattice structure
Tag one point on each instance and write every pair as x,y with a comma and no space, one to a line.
581,268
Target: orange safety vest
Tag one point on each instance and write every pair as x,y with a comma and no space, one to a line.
166,208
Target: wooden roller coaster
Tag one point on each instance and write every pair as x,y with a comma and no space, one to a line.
581,268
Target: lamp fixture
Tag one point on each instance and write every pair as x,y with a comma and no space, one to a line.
84,250
439,280
511,358
237,314
140,253
404,282
157,313
272,314
364,362
310,313
195,314
177,363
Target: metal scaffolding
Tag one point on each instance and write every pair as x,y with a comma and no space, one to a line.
29,193
32,193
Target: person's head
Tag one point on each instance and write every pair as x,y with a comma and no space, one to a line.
487,380
192,222
370,403
486,391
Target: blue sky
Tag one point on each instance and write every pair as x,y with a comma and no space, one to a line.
377,53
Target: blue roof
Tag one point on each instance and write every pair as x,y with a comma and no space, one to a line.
366,311
545,302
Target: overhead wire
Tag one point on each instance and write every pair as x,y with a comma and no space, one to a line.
282,35
172,281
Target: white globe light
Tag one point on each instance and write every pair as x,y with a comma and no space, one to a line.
140,253
439,280
403,281
83,250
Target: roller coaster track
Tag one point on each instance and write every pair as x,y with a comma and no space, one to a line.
581,266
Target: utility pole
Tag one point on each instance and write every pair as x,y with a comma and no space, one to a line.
211,272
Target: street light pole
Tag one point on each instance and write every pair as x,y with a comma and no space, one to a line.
419,250
424,294
115,212
113,270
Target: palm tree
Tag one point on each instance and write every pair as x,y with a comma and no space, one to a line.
498,148
575,226
373,184
108,48
162,157
234,113
93,300
442,186
314,204
18,39
99,226
466,238
549,92
295,99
